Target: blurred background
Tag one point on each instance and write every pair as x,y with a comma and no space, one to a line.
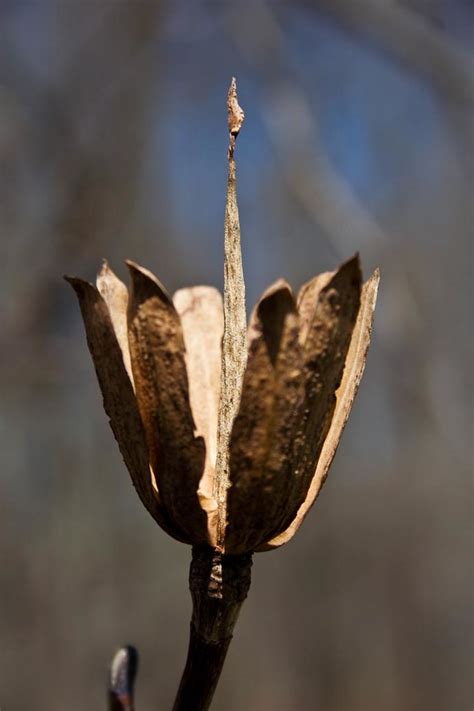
358,136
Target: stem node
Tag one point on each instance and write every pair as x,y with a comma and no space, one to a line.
212,624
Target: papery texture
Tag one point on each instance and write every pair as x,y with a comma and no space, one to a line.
353,371
115,294
234,346
260,447
202,321
161,382
324,352
119,399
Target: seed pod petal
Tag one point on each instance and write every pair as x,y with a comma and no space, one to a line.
115,294
119,399
353,371
161,382
202,321
308,300
260,446
325,348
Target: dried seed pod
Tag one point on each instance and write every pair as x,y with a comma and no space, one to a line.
228,439
228,445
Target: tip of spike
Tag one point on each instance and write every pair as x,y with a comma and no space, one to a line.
235,115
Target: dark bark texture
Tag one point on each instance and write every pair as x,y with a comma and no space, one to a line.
219,584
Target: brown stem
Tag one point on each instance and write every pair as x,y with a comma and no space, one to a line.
219,585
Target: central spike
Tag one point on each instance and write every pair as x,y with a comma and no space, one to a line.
234,342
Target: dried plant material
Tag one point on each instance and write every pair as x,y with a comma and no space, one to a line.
234,343
115,294
212,625
260,448
276,443
202,320
325,348
308,299
291,412
237,451
353,371
227,453
119,399
161,382
235,116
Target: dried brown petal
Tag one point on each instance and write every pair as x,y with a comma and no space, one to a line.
115,294
353,371
119,399
260,445
308,300
325,349
202,321
161,382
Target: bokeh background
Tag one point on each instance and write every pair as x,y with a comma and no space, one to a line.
358,136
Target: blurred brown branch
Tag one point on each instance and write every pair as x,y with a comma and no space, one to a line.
93,124
409,39
326,198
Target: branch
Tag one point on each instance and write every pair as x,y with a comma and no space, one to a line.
407,38
212,625
324,196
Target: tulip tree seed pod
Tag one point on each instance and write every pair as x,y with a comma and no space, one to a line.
228,433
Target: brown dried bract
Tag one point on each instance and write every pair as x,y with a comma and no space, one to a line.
119,400
352,374
260,448
157,353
